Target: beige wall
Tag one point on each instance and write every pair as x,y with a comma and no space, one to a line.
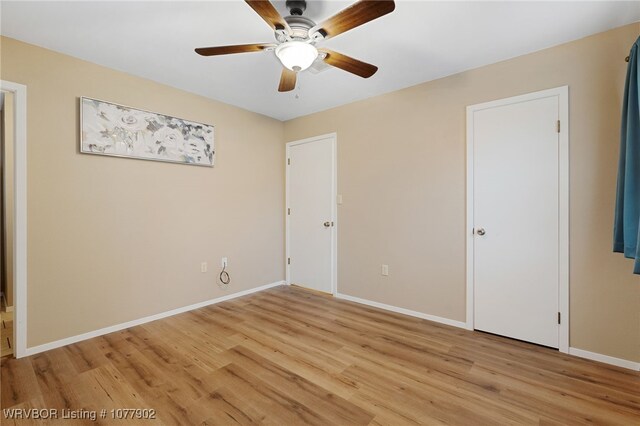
7,167
401,171
112,240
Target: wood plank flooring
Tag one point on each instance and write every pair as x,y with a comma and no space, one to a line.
287,356
6,333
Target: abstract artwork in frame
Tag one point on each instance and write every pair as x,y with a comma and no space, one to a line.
121,131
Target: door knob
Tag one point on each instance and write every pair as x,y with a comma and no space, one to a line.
327,224
481,232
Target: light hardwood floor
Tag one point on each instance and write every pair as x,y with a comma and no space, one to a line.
6,333
288,356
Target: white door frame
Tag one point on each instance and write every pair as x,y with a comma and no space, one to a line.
563,206
334,210
20,216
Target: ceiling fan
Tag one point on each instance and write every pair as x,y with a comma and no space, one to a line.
296,37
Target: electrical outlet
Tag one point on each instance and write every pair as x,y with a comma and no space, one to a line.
224,262
385,270
203,267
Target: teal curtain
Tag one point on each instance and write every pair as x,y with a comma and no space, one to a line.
627,219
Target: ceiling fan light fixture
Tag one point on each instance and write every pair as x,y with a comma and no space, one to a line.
296,55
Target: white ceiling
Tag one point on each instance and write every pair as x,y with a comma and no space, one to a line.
419,41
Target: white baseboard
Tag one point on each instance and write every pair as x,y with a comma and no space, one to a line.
404,311
619,362
631,365
84,336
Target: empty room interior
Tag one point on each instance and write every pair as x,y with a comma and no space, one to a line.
320,212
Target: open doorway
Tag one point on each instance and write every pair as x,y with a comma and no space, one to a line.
7,137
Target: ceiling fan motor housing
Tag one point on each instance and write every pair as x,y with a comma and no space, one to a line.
299,25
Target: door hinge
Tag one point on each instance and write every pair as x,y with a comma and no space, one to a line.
559,317
558,126
289,212
288,161
288,261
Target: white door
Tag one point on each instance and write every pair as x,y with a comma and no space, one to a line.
310,213
516,220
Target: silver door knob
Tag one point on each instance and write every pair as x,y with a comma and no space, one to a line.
327,224
481,232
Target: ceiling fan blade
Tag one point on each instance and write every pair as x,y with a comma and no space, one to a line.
226,50
270,15
287,80
349,64
353,16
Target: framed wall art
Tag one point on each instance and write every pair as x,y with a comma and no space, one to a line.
121,131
